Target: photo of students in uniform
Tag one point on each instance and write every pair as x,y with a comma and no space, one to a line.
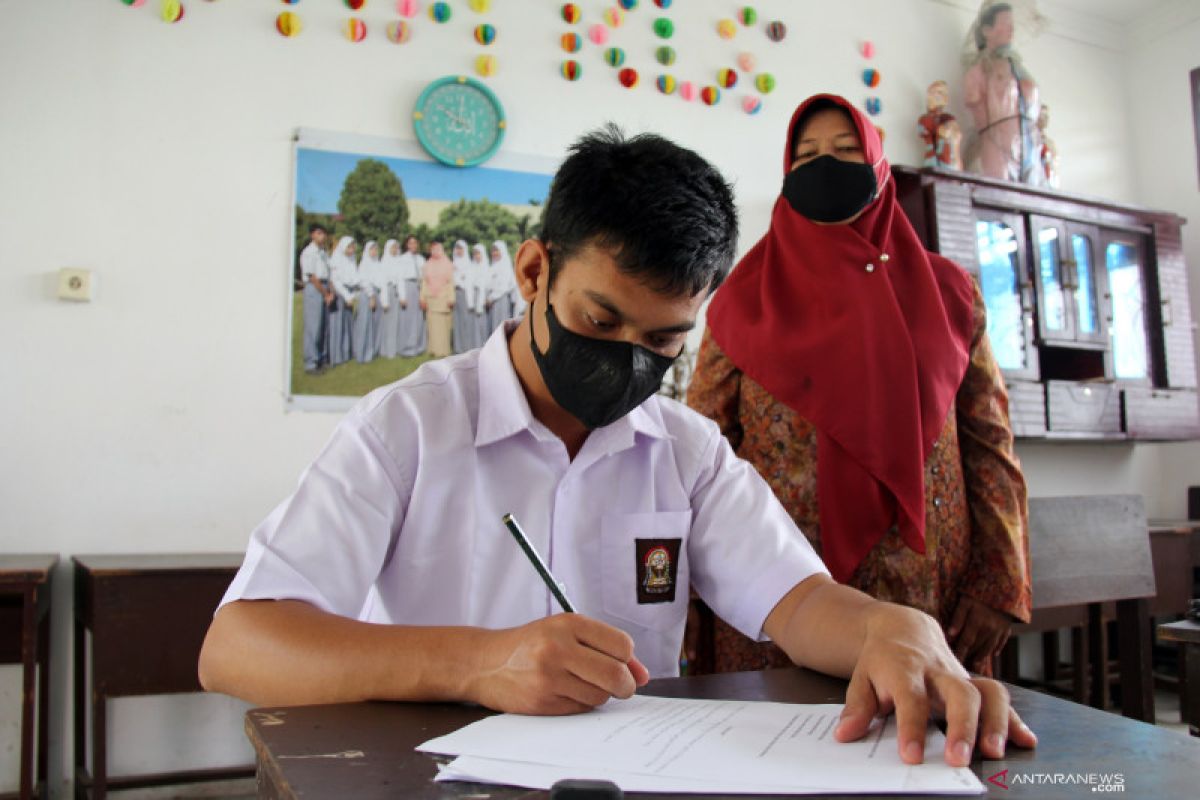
401,259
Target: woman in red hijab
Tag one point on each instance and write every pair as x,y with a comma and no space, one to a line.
852,368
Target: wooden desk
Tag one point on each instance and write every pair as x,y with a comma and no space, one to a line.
1187,633
25,640
147,615
1074,739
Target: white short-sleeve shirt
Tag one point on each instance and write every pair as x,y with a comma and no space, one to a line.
313,262
399,518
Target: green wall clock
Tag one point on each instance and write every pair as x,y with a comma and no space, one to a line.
459,121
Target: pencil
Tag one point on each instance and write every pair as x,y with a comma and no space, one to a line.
510,522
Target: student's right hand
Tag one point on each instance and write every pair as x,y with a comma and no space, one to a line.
563,664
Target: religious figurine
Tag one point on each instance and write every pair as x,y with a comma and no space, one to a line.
939,130
1049,152
1002,97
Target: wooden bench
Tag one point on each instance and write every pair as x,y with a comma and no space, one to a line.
1087,551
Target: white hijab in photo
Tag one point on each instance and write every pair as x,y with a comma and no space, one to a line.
462,265
477,278
369,269
502,279
343,272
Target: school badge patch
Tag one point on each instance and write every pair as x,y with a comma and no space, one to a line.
657,569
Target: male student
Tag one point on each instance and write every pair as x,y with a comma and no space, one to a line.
314,271
389,575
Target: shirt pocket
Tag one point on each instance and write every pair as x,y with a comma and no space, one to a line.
644,567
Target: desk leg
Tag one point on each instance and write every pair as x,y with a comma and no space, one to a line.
43,773
1191,668
79,681
29,676
1137,677
1079,657
99,751
1097,657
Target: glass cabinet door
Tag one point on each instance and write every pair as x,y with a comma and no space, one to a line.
1054,310
1086,285
1127,320
1007,291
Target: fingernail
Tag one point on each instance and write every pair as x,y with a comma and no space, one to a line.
912,752
996,742
962,753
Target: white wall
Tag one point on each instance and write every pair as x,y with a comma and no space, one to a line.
159,156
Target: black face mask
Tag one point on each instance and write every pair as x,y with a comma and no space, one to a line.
594,380
828,189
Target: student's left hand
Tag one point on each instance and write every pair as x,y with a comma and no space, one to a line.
906,666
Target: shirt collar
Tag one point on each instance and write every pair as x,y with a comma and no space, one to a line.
504,410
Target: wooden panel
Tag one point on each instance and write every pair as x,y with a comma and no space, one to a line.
1027,408
1165,414
1178,343
954,225
1171,554
147,630
1083,407
1089,549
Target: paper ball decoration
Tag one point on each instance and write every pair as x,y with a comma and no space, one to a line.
134,3
664,28
776,31
663,3
485,34
439,12
570,13
747,62
751,104
571,42
598,34
665,84
748,15
288,23
480,6
614,56
710,95
727,78
874,106
687,90
571,70
289,2
355,5
726,29
171,10
665,55
614,17
399,32
356,30
868,49
871,77
765,82
628,5
485,66
408,8
628,77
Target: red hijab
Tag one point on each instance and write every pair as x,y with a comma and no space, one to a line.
871,356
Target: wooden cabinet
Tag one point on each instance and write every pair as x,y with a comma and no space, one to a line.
1088,308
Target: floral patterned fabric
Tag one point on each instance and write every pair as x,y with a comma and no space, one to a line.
976,535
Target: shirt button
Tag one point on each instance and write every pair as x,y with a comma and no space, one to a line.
884,257
870,267
937,502
935,469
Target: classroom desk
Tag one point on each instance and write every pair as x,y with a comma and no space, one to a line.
1187,633
147,615
25,640
365,750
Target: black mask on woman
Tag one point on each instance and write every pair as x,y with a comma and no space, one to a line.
595,380
828,189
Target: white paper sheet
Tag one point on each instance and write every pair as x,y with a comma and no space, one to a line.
681,745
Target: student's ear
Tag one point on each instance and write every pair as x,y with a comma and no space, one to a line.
532,266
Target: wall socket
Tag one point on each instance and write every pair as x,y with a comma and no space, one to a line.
75,284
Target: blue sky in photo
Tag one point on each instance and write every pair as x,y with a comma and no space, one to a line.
321,173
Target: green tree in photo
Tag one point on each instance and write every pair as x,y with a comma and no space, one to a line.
480,221
372,204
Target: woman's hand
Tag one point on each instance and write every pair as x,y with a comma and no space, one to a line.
977,632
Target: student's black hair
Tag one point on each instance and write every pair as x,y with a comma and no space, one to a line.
664,213
316,226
